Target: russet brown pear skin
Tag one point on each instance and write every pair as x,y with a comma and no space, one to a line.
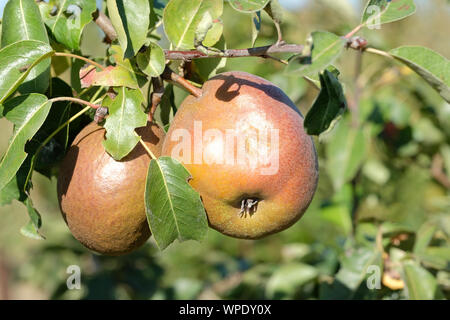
239,200
101,199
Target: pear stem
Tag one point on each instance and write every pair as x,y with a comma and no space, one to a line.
171,76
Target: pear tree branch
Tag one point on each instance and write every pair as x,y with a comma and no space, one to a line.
262,52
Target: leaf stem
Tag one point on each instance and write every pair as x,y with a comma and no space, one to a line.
146,148
47,140
354,31
71,55
379,52
76,100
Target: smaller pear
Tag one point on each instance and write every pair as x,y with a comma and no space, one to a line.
101,199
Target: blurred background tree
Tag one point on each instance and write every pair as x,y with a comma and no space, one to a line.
383,198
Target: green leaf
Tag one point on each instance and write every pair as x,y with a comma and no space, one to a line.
131,20
22,21
66,19
420,284
27,113
288,278
15,188
329,104
167,107
248,5
75,81
124,73
125,115
338,216
256,26
345,149
17,60
152,61
430,65
182,18
174,209
424,237
47,160
159,6
435,257
31,229
275,11
355,268
378,12
326,48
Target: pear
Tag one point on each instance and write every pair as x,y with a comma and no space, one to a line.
250,159
101,199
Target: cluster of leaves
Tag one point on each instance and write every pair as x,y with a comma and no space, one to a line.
44,128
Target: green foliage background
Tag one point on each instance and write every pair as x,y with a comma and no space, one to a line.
378,202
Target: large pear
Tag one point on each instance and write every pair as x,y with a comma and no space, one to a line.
101,199
250,159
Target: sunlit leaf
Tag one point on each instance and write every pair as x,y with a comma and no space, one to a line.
131,20
66,19
22,21
174,209
182,18
430,65
152,61
123,73
378,12
27,113
248,5
125,115
17,60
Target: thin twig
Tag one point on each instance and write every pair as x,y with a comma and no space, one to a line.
354,106
263,52
64,54
105,24
76,100
437,171
156,96
171,76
